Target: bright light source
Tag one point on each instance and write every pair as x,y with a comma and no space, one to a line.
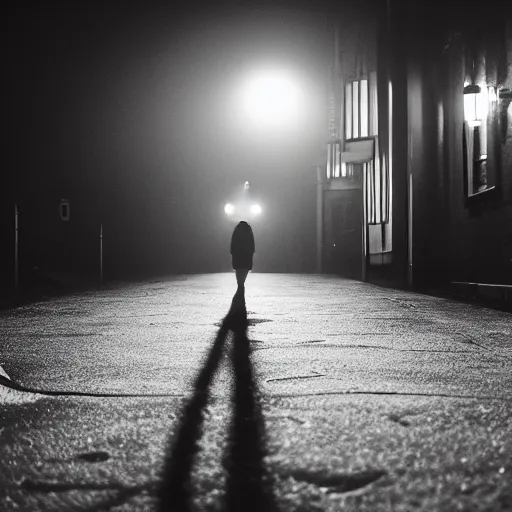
473,105
255,209
271,99
229,209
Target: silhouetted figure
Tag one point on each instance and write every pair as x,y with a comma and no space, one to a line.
242,251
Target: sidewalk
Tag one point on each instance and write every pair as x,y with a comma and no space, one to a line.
363,398
41,287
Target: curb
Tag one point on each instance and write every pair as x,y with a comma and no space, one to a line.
3,373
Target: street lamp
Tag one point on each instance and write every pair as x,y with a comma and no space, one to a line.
472,105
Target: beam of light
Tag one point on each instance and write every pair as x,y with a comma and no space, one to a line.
229,209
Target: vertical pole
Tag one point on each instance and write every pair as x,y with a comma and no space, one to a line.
410,211
364,214
16,249
319,218
101,254
410,221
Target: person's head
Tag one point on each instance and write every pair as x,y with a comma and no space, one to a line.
244,225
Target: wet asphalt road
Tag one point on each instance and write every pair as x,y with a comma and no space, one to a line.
366,398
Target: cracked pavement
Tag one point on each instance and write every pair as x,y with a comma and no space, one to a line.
371,399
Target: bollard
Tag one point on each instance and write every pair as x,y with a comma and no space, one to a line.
319,219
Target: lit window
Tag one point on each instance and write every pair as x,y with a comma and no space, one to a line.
363,123
335,167
377,189
348,111
357,111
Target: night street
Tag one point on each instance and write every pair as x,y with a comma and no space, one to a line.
341,395
256,256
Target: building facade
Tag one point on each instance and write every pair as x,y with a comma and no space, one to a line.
418,180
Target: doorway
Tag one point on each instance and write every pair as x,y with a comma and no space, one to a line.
344,238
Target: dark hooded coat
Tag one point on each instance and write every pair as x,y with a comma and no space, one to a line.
242,246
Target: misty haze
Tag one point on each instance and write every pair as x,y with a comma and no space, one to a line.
256,256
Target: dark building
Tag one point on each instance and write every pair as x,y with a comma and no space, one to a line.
85,90
418,184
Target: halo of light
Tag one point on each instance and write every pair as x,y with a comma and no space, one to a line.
229,209
271,99
255,209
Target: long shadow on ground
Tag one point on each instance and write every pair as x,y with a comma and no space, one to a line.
248,485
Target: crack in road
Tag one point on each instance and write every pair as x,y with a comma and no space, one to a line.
285,417
471,341
399,418
403,303
51,486
338,482
351,346
123,492
362,334
294,377
4,381
388,393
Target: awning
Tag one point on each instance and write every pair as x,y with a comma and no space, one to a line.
358,151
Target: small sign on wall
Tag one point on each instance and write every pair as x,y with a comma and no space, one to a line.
64,209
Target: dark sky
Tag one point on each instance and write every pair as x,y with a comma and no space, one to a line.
133,103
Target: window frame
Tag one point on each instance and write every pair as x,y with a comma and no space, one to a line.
478,142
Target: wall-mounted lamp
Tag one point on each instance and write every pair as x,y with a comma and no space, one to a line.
472,105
